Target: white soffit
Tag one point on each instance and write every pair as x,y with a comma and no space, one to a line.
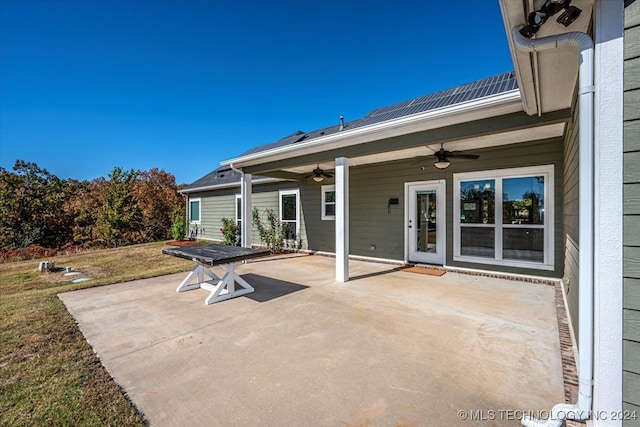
469,144
546,79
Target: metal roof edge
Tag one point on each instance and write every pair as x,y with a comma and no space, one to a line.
229,185
510,101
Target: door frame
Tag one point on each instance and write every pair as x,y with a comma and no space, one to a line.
440,186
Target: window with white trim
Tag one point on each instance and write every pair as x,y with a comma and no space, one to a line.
239,213
290,213
194,211
505,217
328,202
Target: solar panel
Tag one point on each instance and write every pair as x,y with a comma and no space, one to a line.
452,96
467,92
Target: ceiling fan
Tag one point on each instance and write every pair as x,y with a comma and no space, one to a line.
443,156
318,174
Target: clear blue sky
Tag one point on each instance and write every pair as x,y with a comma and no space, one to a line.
87,85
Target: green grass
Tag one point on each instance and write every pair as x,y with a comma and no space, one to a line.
49,375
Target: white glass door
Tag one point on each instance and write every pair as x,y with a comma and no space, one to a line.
425,220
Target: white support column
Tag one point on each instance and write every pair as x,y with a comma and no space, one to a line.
608,218
245,206
342,219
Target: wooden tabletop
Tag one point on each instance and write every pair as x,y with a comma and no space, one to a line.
215,254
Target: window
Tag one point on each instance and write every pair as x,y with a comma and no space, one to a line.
289,213
194,210
505,217
328,202
239,213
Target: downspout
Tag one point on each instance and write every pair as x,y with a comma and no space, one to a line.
235,169
245,206
581,410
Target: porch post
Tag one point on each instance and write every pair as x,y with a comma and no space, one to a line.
245,206
342,219
609,215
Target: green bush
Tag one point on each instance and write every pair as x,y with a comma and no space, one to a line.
179,226
230,233
272,233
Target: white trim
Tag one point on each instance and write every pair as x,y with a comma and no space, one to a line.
608,215
238,197
440,185
342,219
295,192
229,185
323,203
193,200
499,175
491,106
246,195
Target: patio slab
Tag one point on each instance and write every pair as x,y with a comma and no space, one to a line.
386,348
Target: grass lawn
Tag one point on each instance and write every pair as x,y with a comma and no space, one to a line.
49,375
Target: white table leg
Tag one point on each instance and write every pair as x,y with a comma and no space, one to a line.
226,287
198,272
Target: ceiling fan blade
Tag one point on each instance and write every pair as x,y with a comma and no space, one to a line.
328,175
461,155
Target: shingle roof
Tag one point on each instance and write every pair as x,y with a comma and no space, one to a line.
471,91
224,175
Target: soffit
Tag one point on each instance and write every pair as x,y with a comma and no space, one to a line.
547,79
468,145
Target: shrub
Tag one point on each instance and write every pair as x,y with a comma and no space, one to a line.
272,233
229,232
179,226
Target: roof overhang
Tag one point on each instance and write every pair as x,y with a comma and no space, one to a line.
504,103
546,79
228,185
539,133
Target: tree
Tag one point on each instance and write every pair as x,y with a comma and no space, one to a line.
83,205
157,197
118,214
31,207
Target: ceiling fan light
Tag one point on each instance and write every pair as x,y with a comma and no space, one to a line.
318,178
442,164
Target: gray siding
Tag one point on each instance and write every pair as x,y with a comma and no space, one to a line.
631,250
570,219
320,234
219,204
372,223
213,207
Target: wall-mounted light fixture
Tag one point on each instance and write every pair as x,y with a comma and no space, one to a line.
392,201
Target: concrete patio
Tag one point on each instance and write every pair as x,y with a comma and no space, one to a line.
387,348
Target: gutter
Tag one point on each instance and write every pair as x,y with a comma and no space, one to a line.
581,410
504,103
228,185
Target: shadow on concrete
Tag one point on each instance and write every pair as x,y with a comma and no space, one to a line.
276,257
267,289
377,273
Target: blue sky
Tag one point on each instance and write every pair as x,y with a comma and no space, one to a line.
88,85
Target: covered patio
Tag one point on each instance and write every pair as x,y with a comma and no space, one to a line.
386,348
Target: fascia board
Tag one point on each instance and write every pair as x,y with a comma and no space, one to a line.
504,103
521,61
228,185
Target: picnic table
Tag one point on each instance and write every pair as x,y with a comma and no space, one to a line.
227,257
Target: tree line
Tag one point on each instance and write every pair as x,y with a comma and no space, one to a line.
39,209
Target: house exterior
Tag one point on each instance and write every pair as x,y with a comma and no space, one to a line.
554,192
